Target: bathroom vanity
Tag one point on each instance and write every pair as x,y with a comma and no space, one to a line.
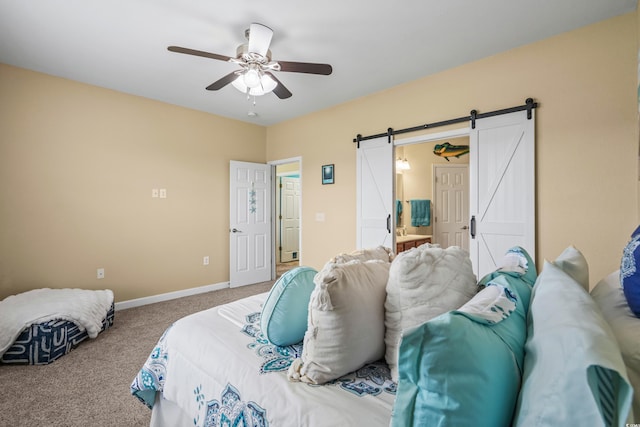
411,241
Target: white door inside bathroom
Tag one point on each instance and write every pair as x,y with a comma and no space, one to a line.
250,223
451,205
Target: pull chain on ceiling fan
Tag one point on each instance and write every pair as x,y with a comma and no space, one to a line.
255,76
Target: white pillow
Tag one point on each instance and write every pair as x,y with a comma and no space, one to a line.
572,262
381,253
424,282
345,329
573,370
609,296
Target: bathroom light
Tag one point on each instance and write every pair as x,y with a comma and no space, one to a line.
402,164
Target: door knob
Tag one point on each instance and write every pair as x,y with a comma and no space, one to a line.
466,227
235,230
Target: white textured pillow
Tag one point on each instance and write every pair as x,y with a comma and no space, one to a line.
345,329
424,282
381,253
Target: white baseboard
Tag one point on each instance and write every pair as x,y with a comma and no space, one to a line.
169,296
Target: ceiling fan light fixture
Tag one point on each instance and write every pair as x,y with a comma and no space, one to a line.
252,77
265,85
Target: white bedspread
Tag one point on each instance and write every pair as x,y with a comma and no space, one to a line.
218,369
85,308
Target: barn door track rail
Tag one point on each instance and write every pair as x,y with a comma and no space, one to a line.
529,105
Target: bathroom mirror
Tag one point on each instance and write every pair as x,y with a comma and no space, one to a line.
399,200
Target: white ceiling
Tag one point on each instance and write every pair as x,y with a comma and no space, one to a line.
372,45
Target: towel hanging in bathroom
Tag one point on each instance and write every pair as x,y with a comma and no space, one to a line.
420,212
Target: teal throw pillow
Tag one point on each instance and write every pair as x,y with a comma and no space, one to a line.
284,314
464,367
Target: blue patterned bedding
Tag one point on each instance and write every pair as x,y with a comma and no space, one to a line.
43,343
218,368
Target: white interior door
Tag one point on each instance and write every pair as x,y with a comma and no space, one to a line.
375,222
250,223
451,205
290,219
502,192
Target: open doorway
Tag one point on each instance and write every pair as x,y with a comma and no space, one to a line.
288,197
433,170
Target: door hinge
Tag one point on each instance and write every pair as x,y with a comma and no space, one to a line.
279,216
280,185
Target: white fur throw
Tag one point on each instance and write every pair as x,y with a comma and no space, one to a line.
345,328
424,282
85,308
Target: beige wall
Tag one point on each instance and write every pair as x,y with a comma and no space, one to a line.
77,165
586,135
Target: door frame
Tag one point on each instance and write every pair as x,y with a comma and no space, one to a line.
273,165
432,137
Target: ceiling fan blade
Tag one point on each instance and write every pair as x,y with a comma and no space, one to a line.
280,91
188,51
305,67
259,38
219,84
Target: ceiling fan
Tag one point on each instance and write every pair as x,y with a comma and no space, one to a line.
255,76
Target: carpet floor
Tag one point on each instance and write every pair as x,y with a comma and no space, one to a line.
90,385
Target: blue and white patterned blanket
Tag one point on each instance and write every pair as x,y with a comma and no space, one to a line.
217,367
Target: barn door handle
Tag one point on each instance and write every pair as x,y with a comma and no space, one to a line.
389,223
473,226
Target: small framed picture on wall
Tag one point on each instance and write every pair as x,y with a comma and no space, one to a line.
327,174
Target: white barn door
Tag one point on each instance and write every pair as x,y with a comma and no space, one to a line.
375,222
250,223
502,192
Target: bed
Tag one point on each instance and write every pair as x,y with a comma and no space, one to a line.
513,354
215,365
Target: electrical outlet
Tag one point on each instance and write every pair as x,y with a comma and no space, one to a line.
205,260
155,193
163,193
100,273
